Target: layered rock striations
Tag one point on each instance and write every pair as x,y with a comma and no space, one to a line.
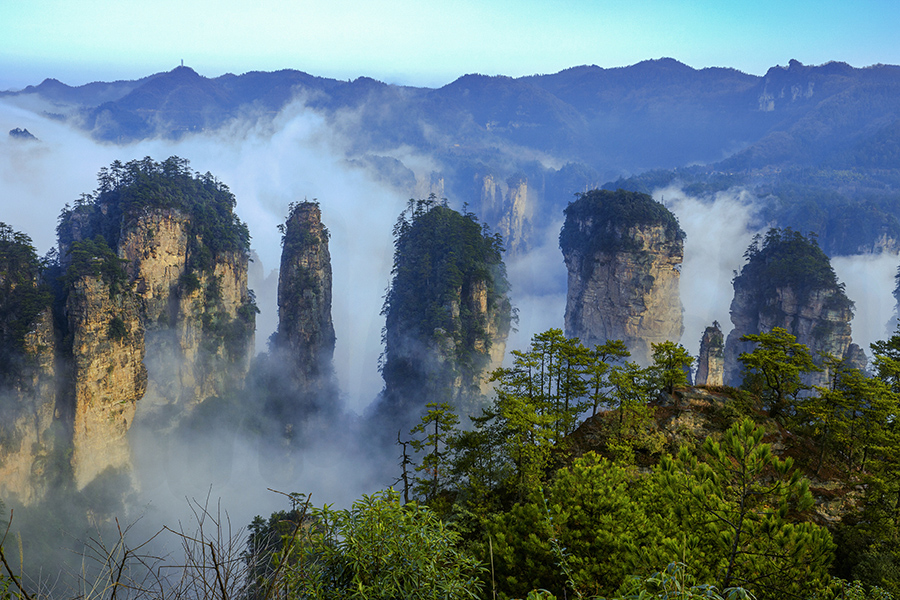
185,256
788,282
623,252
447,312
304,293
199,322
108,375
511,204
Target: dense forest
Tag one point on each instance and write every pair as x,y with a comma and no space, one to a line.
127,191
664,490
786,258
23,295
619,210
580,473
577,472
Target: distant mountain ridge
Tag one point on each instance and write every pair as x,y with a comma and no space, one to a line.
568,112
560,133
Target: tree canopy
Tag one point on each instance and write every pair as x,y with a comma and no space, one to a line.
446,303
785,258
125,192
598,221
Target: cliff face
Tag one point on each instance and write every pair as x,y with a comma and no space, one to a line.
296,377
711,366
819,319
29,442
155,249
788,282
623,252
153,307
305,330
185,260
109,376
198,339
511,205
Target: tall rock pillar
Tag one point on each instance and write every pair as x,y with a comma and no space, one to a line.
788,282
623,252
711,366
305,338
109,375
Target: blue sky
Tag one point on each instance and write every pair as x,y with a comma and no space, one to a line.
429,43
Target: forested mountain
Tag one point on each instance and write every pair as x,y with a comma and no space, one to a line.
655,114
798,137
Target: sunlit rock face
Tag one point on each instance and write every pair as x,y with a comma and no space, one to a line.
28,408
109,376
147,313
199,342
29,367
788,282
623,252
511,205
158,315
711,363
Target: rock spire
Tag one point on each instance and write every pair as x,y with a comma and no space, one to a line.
623,252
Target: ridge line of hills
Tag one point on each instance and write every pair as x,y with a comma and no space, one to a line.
560,114
818,146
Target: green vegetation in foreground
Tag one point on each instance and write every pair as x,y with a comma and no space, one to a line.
696,494
663,491
660,476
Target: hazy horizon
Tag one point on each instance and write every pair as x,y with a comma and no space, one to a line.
429,45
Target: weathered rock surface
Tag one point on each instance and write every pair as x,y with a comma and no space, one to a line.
305,329
155,249
789,283
711,363
816,321
30,435
152,306
511,206
623,252
29,452
109,376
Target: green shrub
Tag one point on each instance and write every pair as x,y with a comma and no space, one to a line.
117,329
381,549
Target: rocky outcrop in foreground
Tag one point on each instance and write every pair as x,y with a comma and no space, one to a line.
623,252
